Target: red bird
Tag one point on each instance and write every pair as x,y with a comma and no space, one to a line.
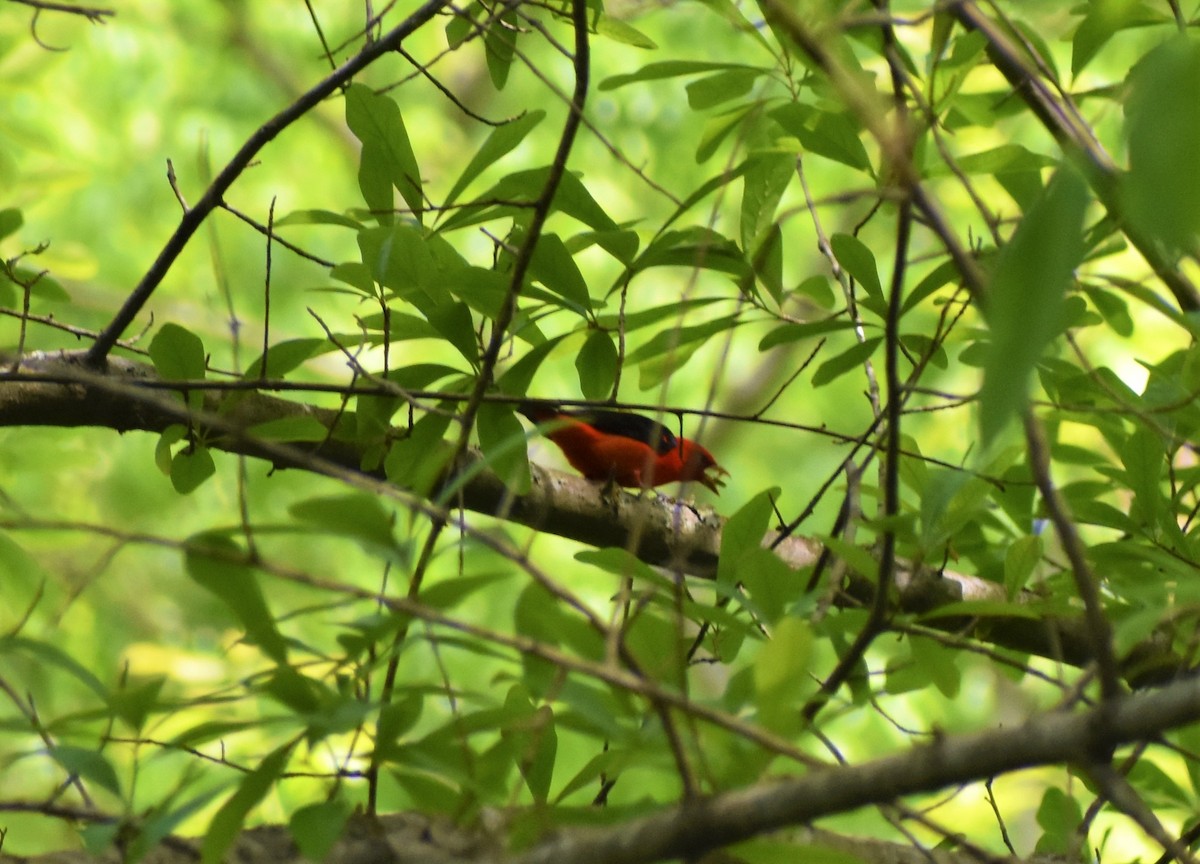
628,449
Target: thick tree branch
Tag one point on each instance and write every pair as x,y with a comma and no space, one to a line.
1047,739
59,389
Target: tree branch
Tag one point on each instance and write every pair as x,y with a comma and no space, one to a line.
59,389
214,195
1051,738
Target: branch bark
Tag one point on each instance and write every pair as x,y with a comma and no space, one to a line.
702,825
61,389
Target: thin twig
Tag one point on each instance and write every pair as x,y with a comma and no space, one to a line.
241,160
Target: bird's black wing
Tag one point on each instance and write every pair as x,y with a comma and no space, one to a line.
633,426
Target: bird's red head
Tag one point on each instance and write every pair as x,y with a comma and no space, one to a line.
690,461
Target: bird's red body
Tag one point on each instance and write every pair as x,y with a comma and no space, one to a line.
627,449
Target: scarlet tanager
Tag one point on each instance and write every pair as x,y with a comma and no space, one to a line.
628,449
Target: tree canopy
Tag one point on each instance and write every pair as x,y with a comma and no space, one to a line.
920,276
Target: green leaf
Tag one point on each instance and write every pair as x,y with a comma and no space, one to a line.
134,702
1020,562
190,467
51,655
416,461
743,534
355,515
620,562
951,499
781,675
387,158
619,31
596,364
302,428
767,257
317,217
395,719
941,275
400,258
672,69
502,141
40,286
1005,158
832,135
939,665
500,44
502,439
1059,816
674,340
88,765
859,261
317,827
228,821
553,266
291,689
795,332
1104,19
454,322
178,355
357,274
1114,309
770,583
516,380
763,186
721,126
11,221
721,87
523,188
1163,126
449,593
698,248
849,359
534,741
218,564
621,244
1144,458
283,357
1025,299
162,821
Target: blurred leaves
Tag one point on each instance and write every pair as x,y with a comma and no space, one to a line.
473,664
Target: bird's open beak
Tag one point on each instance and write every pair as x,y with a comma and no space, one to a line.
713,482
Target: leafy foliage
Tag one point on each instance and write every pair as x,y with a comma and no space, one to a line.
959,368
